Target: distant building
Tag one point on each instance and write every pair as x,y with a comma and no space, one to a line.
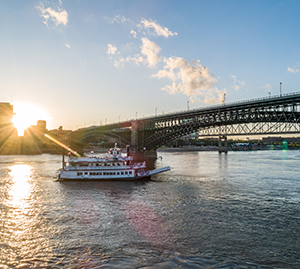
7,129
6,113
41,124
279,139
60,133
38,129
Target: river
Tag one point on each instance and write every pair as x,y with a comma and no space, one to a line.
240,210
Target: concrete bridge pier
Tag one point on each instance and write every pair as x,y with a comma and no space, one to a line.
139,154
223,144
143,155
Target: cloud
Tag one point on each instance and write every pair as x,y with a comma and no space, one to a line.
189,79
119,62
158,29
137,59
268,87
237,83
148,55
58,17
111,49
117,19
293,70
67,45
150,50
133,33
215,96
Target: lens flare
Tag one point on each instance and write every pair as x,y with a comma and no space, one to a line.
27,115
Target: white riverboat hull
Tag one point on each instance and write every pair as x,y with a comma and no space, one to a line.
73,175
111,167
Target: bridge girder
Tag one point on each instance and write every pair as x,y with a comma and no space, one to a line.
227,119
121,136
168,133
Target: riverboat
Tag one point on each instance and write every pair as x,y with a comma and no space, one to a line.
111,167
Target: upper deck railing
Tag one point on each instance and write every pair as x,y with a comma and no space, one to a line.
223,105
164,115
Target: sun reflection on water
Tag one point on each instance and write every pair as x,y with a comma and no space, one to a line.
20,174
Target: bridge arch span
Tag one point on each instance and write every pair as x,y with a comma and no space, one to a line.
269,115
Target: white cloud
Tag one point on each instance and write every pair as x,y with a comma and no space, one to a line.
119,62
237,83
67,45
268,87
117,19
189,79
234,78
158,29
215,96
137,59
133,33
293,70
58,17
150,50
111,49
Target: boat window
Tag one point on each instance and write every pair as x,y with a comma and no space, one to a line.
122,173
79,174
86,173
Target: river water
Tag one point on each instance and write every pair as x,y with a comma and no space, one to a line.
240,210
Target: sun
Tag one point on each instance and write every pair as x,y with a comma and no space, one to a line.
27,115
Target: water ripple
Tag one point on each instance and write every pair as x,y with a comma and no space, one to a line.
209,211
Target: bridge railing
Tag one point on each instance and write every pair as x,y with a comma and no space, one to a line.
224,104
214,106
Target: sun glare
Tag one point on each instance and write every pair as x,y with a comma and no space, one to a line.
27,115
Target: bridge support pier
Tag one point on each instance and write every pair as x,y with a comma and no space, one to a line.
143,155
223,144
138,154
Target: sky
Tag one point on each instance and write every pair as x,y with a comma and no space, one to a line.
88,62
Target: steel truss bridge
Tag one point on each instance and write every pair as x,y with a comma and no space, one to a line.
263,116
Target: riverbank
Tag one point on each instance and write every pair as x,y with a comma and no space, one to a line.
185,149
188,149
